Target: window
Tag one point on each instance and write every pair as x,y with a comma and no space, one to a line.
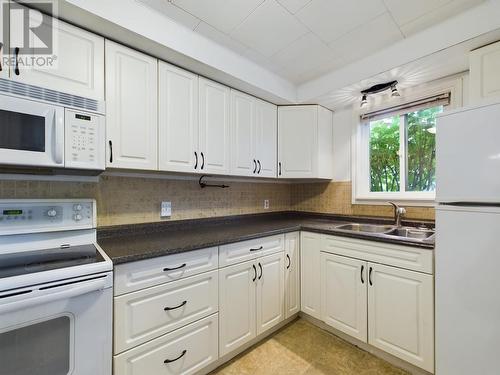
397,151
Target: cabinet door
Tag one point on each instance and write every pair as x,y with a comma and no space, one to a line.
79,68
4,39
343,294
401,314
178,119
237,295
131,114
243,158
310,296
214,127
270,291
484,73
292,274
297,141
266,134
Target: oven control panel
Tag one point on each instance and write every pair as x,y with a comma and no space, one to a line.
23,216
84,145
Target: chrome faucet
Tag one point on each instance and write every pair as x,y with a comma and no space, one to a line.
399,212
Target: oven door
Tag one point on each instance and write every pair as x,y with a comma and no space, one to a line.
31,133
59,328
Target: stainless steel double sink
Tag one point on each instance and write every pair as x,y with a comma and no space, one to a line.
390,231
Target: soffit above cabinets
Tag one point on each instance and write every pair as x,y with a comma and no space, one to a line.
303,39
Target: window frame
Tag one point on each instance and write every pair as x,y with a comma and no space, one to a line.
361,193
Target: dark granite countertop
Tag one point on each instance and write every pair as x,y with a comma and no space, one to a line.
128,243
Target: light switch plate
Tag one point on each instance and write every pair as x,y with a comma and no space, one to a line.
166,209
266,204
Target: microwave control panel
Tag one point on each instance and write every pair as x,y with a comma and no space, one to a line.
84,140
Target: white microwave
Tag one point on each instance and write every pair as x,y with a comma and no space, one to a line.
41,134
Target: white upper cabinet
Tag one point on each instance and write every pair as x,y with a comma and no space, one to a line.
253,136
214,122
292,274
79,68
243,158
401,314
344,294
178,119
131,101
266,134
484,73
305,142
4,42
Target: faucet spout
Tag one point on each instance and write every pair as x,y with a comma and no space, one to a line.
399,212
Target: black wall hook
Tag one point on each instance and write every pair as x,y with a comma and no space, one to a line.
204,184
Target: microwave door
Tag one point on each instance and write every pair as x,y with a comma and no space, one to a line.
31,133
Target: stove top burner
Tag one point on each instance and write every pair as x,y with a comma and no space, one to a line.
28,262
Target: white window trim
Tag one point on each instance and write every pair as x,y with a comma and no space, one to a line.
360,166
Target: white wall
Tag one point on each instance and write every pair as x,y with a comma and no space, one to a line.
342,130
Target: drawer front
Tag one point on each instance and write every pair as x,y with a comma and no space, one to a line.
147,314
133,276
411,258
247,250
195,344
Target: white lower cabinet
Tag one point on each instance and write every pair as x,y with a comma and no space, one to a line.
401,314
184,351
343,294
310,296
270,292
292,274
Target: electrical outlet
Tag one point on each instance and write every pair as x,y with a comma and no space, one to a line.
166,209
266,204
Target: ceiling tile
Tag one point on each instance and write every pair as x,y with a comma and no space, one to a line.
176,14
299,75
269,29
224,15
220,38
438,15
293,6
405,11
378,33
330,19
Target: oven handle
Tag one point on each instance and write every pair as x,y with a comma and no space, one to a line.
50,295
59,137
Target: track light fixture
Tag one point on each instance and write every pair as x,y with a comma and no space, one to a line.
379,88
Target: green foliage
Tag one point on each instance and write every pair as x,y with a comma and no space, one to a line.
420,148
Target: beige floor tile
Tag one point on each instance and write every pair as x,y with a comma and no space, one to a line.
303,349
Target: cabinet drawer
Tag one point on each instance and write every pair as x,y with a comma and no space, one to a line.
146,314
198,341
133,276
412,258
247,250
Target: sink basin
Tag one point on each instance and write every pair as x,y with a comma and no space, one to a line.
367,228
420,234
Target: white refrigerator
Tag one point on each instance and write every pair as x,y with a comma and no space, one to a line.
467,254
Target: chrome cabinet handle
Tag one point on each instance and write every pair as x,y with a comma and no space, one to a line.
254,166
175,268
370,276
175,307
110,151
258,161
362,270
176,359
196,158
16,68
289,261
202,160
257,248
261,272
254,273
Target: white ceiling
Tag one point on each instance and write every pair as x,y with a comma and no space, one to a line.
303,39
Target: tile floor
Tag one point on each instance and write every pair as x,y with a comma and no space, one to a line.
301,348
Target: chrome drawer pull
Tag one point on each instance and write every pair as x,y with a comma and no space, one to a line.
175,359
175,307
175,268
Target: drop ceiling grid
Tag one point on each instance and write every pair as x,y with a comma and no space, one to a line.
302,39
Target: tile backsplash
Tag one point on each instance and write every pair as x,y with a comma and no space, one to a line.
130,200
